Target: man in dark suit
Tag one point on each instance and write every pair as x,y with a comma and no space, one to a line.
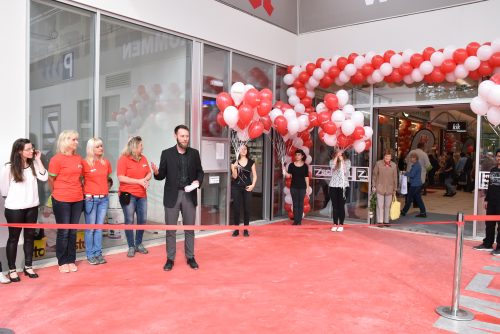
181,166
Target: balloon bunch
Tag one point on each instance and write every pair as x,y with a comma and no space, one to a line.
488,102
431,66
450,142
404,136
340,125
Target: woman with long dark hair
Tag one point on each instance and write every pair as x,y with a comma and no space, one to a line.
19,185
244,177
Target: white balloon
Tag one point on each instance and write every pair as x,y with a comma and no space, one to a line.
493,115
484,52
359,61
305,149
479,106
494,96
448,51
299,107
275,113
396,60
313,82
416,75
343,77
348,127
484,89
248,87
286,191
318,74
330,140
472,63
289,114
377,76
291,91
368,131
334,59
370,80
288,199
325,65
308,86
310,93
243,135
350,69
288,159
348,109
321,107
288,79
237,93
426,67
339,82
359,146
338,117
407,55
303,122
293,126
461,72
358,118
408,79
495,45
297,142
304,65
343,97
386,69
293,100
437,58
308,160
369,56
230,116
450,77
296,71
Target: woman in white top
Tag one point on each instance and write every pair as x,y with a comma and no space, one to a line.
338,188
18,182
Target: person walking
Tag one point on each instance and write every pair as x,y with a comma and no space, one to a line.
338,188
492,206
19,186
244,178
65,181
299,172
181,166
134,174
96,173
449,175
385,184
414,194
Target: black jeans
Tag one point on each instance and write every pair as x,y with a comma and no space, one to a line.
493,209
240,196
27,216
338,205
298,204
66,213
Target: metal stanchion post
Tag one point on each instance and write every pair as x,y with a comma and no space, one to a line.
454,312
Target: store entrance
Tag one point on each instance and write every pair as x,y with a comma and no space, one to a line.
442,130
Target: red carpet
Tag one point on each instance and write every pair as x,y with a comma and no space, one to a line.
363,280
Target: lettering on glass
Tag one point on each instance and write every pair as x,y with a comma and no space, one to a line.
356,174
371,2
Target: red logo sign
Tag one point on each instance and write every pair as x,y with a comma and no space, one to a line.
268,6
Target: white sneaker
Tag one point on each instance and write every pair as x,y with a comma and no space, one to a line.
334,228
340,228
4,279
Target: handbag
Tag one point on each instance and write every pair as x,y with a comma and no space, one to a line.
404,185
395,208
124,198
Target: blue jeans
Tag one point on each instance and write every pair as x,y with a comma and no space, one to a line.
66,213
448,182
95,212
139,206
414,195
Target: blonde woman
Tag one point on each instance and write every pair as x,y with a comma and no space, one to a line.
134,174
65,182
96,172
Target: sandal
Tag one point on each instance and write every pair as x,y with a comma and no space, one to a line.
28,271
13,276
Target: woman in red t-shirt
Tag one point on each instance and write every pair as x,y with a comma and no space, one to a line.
134,174
65,173
96,172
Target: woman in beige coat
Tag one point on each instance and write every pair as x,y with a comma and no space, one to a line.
385,183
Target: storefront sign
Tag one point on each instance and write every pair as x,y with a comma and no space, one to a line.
483,180
457,127
356,174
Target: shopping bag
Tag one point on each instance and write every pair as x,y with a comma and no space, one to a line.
395,208
404,185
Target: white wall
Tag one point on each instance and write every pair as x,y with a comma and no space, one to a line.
452,26
211,21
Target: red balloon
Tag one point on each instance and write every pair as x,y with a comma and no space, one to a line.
358,78
279,104
306,199
329,127
308,143
303,77
342,62
437,75
333,72
368,144
474,75
281,124
472,48
255,129
301,92
290,214
266,94
266,122
310,68
288,206
359,132
470,148
459,56
223,101
309,109
323,117
377,61
484,69
388,54
288,183
367,69
427,53
494,61
448,66
342,140
405,69
264,107
326,82
289,69
313,119
321,134
416,59
351,57
319,61
307,102
396,75
307,208
245,113
220,119
331,101
496,78
252,97
297,84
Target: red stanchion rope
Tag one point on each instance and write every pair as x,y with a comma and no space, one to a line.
482,217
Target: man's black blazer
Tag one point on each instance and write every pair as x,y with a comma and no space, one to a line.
169,169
